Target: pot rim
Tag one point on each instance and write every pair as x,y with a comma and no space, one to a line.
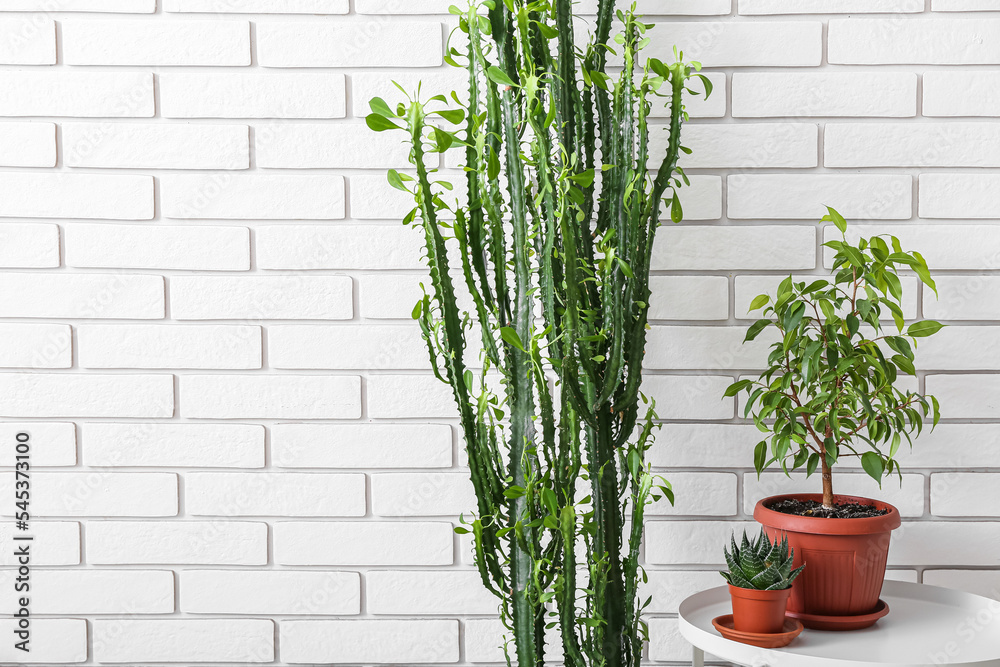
824,526
757,594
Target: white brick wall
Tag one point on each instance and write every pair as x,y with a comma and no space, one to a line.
205,301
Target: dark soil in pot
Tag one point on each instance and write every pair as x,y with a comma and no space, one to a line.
815,509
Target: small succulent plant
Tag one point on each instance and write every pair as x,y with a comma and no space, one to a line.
761,564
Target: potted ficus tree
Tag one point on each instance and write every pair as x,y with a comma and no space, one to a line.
553,239
831,391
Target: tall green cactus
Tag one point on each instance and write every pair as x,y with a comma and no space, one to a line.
553,241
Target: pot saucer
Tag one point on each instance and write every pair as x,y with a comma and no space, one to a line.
818,622
724,624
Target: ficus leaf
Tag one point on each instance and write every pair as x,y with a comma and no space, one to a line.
924,328
836,218
873,465
759,301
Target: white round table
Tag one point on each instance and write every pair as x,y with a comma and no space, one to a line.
927,626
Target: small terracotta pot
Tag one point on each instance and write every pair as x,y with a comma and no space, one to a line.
760,612
845,558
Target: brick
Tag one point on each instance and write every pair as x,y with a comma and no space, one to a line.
27,144
970,297
667,588
361,445
395,7
978,582
717,44
78,395
809,94
961,93
52,443
390,296
156,146
28,40
748,287
666,643
945,543
261,298
668,7
98,494
173,346
96,592
257,95
369,641
793,196
248,640
966,396
960,494
343,146
274,494
709,445
730,248
270,397
964,5
87,296
366,85
936,41
62,195
691,542
936,448
907,496
372,198
697,105
153,43
705,348
961,348
36,346
177,542
752,7
687,298
200,248
349,44
56,543
309,248
252,196
402,396
959,196
363,543
943,246
699,494
347,347
701,200
127,6
950,144
29,245
696,397
53,640
77,93
746,145
485,639
422,494
258,6
173,445
417,593
265,593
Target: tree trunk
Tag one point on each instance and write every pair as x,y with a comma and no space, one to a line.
827,485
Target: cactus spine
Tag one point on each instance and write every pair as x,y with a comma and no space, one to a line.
553,244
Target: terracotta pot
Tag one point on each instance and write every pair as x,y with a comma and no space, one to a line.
760,612
845,558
